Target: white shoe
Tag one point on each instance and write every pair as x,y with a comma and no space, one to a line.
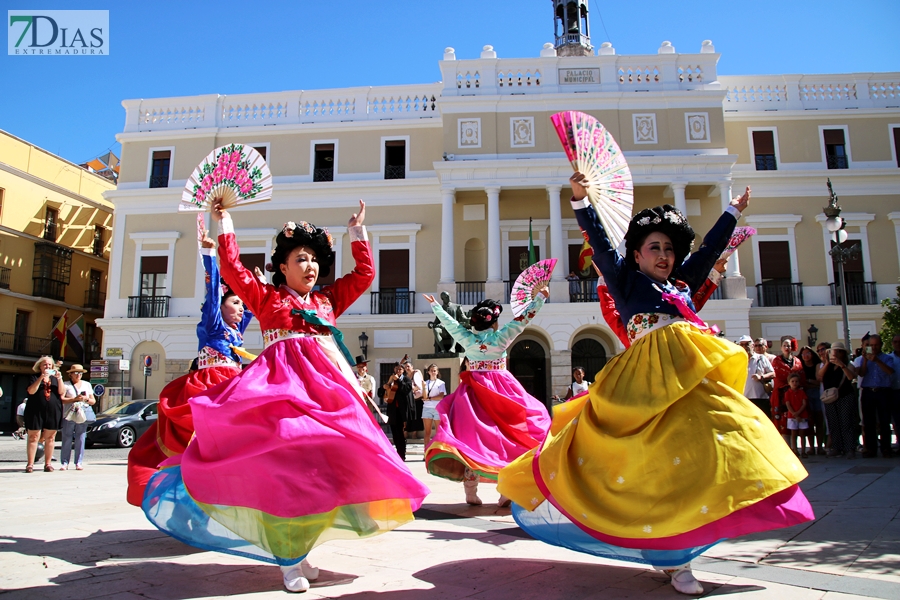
309,571
683,581
294,581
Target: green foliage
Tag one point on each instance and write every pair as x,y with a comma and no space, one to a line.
891,325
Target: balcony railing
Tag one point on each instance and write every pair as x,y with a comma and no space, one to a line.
24,345
49,288
393,302
836,162
323,174
779,294
160,181
469,292
717,294
583,290
394,172
94,299
148,307
857,293
5,274
766,162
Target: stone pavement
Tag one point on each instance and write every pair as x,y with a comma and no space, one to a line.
72,535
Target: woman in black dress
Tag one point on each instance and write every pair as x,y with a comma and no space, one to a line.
44,411
842,415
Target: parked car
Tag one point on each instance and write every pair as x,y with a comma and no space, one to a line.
122,424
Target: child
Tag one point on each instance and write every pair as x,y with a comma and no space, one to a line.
796,403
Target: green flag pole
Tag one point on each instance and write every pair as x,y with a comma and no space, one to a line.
531,257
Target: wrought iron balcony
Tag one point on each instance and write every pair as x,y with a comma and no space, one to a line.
159,181
94,299
393,302
469,292
23,345
836,162
717,294
779,294
583,290
49,288
148,307
857,293
323,174
394,172
766,162
5,274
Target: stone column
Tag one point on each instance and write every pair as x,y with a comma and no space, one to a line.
559,290
494,286
447,282
734,285
680,202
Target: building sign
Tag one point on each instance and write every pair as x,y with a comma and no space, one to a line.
113,352
58,32
578,76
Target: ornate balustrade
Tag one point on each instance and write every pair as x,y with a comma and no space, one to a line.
802,92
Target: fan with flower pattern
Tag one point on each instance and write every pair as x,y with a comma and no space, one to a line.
236,173
537,275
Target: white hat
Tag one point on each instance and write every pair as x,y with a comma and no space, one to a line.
745,338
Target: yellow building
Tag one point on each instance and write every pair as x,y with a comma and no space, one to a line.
453,171
55,233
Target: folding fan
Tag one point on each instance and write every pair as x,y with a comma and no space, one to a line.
537,275
740,235
593,152
235,173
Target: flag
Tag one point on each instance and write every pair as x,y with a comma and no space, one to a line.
531,256
59,334
584,257
76,337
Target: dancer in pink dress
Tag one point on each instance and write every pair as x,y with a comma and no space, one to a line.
490,420
286,454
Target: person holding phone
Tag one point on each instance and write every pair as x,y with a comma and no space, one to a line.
876,377
44,411
79,396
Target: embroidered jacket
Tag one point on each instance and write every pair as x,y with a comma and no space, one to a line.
487,345
634,292
214,336
272,306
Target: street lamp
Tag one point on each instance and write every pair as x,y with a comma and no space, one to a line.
813,336
840,255
364,344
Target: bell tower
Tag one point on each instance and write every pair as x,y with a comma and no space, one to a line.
571,29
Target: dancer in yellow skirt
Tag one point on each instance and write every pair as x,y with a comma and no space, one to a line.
664,457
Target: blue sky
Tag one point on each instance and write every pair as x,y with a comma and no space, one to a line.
72,105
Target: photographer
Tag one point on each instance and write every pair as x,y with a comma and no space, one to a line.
401,406
43,413
876,377
79,398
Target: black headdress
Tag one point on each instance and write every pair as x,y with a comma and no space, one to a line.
666,219
294,235
485,314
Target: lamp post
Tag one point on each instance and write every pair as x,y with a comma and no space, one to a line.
813,337
364,344
840,255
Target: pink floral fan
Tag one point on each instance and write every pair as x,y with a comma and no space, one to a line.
593,151
520,296
740,235
201,230
236,173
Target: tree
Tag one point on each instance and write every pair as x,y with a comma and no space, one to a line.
891,326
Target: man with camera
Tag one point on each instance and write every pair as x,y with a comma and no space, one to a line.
876,376
401,406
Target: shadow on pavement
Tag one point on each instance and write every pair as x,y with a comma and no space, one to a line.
100,546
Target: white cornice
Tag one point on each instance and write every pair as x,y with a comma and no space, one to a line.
853,219
809,114
588,101
793,184
155,237
857,311
55,188
773,221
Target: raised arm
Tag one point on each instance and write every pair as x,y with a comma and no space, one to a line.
606,258
509,332
457,331
239,278
211,313
698,265
345,290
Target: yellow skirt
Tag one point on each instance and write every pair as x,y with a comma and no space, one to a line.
663,444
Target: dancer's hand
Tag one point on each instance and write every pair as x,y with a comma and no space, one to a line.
579,185
540,288
356,220
260,275
207,242
429,298
742,202
720,265
217,210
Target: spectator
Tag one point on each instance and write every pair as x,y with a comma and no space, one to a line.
876,379
579,386
401,407
842,414
43,413
746,342
418,382
574,284
895,344
796,404
759,374
79,396
822,353
435,390
366,381
816,432
19,434
783,365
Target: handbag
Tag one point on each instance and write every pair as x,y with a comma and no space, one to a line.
831,395
76,413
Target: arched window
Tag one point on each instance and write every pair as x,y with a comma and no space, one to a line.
590,355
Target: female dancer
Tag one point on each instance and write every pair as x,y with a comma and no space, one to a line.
223,321
286,454
490,419
662,458
783,365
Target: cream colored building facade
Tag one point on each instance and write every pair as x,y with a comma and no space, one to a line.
452,172
55,235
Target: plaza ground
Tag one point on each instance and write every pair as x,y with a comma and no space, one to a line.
71,535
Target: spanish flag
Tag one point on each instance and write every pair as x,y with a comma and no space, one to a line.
584,257
59,334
